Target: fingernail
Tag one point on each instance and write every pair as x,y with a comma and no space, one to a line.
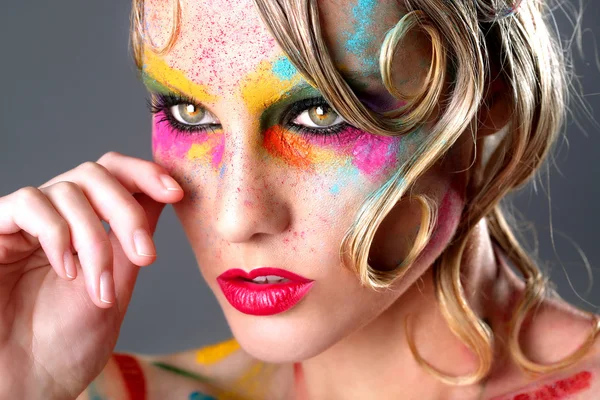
143,244
69,264
107,288
170,183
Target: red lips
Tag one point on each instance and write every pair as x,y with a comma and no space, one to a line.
263,298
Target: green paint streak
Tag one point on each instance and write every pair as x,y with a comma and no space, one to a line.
181,372
153,85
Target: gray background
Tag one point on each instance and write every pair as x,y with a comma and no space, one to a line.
70,94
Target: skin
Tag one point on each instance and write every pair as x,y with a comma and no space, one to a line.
262,209
258,194
253,191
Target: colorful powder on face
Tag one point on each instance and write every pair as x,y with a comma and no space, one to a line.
264,86
335,189
210,149
372,153
293,149
156,69
368,154
205,147
559,390
359,41
283,69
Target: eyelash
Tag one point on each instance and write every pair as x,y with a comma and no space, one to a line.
160,104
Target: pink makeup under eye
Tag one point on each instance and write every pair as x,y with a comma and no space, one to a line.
207,147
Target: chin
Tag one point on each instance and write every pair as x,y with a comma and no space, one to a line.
281,338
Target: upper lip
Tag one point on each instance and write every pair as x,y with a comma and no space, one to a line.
240,273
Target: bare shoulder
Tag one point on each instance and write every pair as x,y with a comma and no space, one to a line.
555,331
220,370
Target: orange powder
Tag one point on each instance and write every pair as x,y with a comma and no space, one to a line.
293,149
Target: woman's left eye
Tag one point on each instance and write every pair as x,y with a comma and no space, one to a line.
319,116
193,115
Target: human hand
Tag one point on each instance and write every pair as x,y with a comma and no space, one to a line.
57,332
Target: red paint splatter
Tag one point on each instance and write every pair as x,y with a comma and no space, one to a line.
132,375
560,389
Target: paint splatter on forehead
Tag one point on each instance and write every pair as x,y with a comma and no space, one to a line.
361,38
214,48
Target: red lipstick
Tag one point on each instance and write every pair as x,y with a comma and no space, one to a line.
272,297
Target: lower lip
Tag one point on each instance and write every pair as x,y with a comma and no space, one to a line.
263,299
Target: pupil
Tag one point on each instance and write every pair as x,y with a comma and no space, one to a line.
322,115
191,109
191,113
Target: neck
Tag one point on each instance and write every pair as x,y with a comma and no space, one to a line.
376,361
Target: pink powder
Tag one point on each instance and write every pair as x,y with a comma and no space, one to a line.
164,138
218,152
371,154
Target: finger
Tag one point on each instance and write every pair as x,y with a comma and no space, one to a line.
115,205
136,176
17,246
29,210
126,275
149,178
89,239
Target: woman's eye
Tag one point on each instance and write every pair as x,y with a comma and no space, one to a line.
321,116
191,114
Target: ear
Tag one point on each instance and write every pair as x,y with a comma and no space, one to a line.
496,109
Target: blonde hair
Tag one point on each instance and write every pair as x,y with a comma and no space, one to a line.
467,38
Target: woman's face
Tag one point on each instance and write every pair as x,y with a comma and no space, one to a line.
274,178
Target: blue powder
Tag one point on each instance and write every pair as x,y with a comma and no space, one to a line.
360,40
200,396
335,189
222,170
283,69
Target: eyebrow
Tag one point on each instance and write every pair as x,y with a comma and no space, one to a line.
157,85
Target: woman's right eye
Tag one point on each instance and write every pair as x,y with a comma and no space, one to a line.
193,115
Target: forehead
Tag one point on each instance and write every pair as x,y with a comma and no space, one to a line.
219,42
223,45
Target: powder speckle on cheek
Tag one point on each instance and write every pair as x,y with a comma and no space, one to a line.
210,148
163,140
372,154
355,151
205,147
294,150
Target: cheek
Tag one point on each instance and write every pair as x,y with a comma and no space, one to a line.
354,151
172,146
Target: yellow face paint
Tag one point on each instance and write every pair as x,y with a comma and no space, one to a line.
268,84
155,68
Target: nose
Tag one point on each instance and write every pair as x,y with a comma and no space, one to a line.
249,200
